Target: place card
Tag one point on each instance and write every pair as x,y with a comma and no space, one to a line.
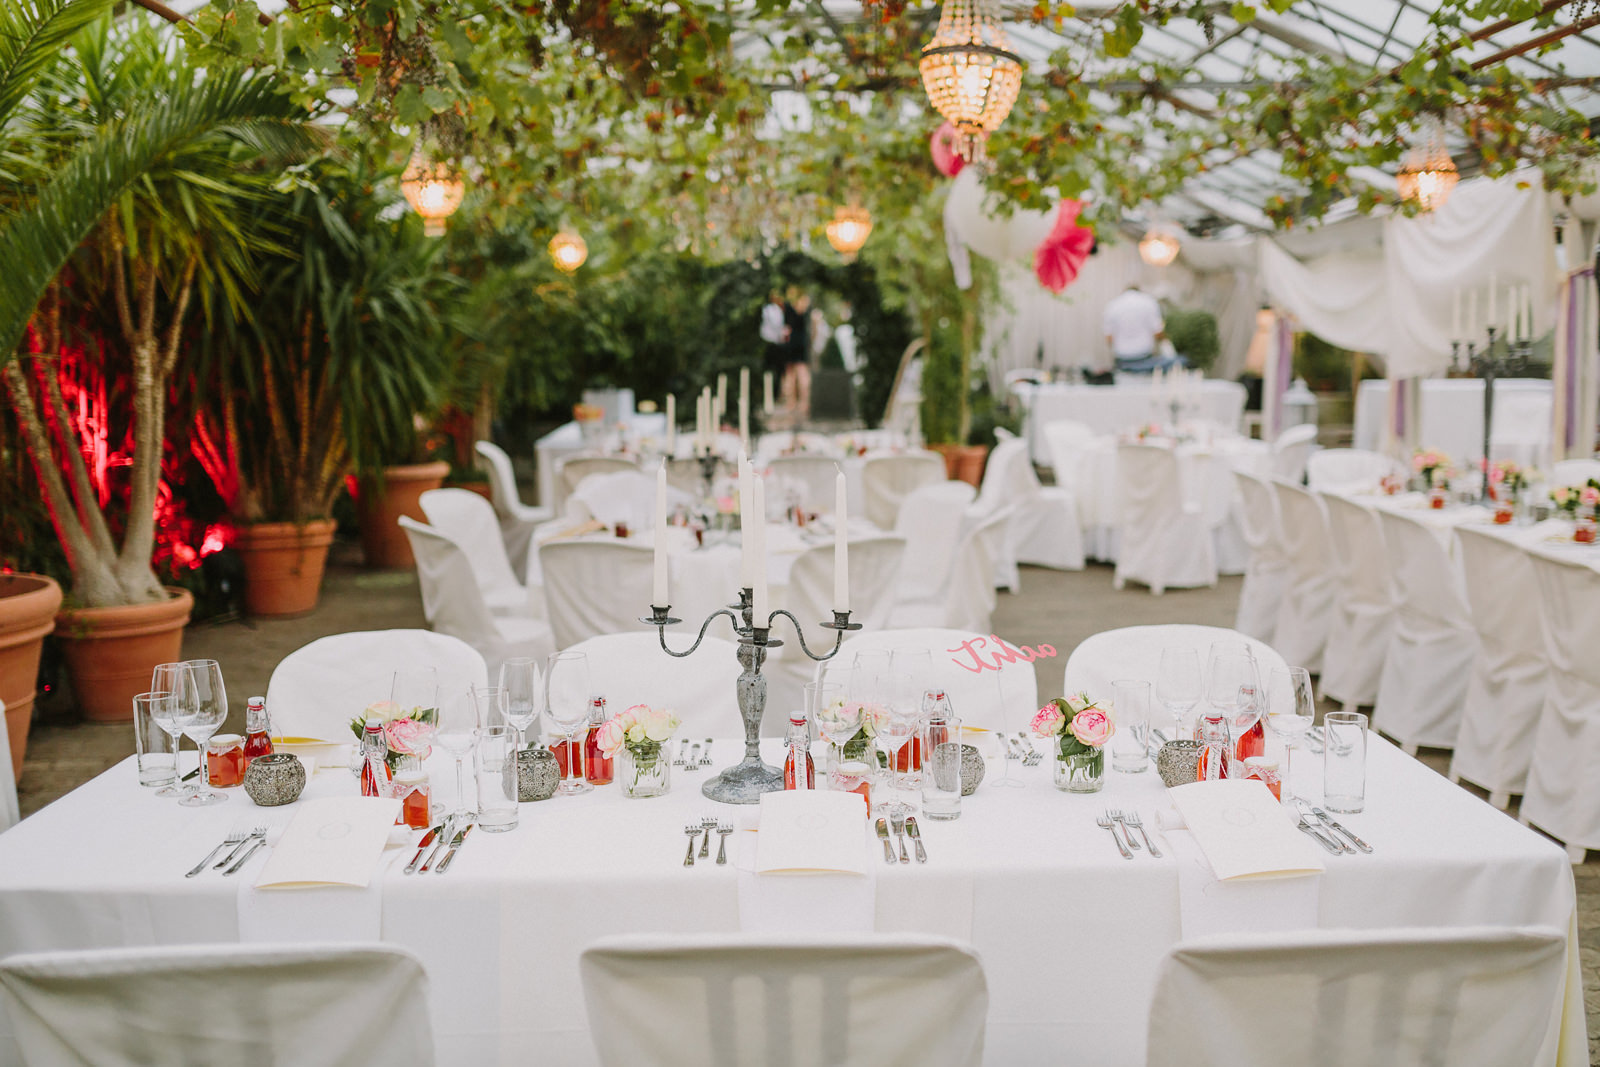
1244,831
806,830
331,841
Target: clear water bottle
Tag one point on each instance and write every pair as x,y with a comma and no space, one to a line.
1216,748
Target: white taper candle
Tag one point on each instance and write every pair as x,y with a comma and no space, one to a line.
766,392
672,424
1493,285
1455,315
758,595
746,527
841,546
659,596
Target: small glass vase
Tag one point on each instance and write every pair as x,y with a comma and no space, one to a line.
643,770
1081,772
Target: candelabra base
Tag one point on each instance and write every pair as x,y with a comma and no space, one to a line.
743,783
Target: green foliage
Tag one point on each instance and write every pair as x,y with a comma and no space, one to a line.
989,413
1193,332
1324,366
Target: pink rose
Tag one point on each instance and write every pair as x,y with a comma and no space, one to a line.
1590,495
610,737
408,736
1093,727
1047,721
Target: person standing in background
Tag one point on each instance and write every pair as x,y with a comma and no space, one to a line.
797,353
1134,326
773,334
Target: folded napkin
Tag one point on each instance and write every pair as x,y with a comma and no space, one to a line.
820,902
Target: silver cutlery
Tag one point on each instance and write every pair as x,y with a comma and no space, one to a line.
422,846
1314,739
1133,819
455,846
916,838
694,757
693,831
1334,824
258,831
1160,737
882,829
1307,828
242,860
899,823
1030,755
1105,821
723,830
709,825
235,838
439,846
705,757
1116,817
683,751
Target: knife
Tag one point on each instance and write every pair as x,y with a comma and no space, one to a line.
916,838
456,844
1354,840
439,848
422,846
883,835
1323,841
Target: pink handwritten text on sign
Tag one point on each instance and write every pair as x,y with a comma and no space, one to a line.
991,654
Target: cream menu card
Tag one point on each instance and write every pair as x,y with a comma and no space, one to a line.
811,830
1244,831
331,841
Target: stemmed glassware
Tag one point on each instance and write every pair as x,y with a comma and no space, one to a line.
457,733
1232,668
1005,781
837,719
207,708
1291,709
566,702
491,706
171,713
414,691
894,730
519,678
1178,687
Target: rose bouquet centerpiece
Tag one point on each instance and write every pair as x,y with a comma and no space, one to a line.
407,731
1433,467
1568,498
1078,729
1507,480
637,738
865,714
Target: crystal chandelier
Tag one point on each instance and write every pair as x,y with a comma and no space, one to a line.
1158,248
434,191
1429,174
970,74
849,230
568,250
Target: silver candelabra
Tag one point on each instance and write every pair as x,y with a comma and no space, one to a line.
1498,358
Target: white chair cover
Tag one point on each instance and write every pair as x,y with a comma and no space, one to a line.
1267,574
309,1005
1363,604
1501,714
453,604
1574,471
10,813
813,476
631,669
318,688
1522,427
1472,997
1429,658
1003,699
595,587
574,469
1135,652
1292,450
1001,488
468,520
1348,470
886,480
517,520
732,1000
1301,630
1066,440
968,599
622,496
1563,793
930,520
1046,531
1163,538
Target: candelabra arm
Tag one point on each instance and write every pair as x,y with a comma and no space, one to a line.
841,623
660,622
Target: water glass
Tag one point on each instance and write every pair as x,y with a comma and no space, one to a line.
157,754
1130,745
1344,761
941,768
496,764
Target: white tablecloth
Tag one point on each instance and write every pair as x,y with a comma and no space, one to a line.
567,440
1070,933
1451,419
1112,409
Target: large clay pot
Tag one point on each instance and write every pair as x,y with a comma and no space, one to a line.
28,605
964,462
379,507
110,652
283,565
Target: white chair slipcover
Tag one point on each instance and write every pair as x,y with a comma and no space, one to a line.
1301,630
1066,439
987,699
318,688
453,604
307,1005
1563,793
1363,605
468,520
621,496
1506,689
814,476
1468,997
1430,654
967,600
1045,531
1267,574
1348,470
1292,450
1522,426
631,669
733,1000
595,587
885,481
791,443
1573,471
10,813
931,520
997,490
1135,652
517,520
1163,540
571,472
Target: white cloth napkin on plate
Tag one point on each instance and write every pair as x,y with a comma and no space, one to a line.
1209,906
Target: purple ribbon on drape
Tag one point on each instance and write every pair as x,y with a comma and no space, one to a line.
1285,357
1575,283
1399,387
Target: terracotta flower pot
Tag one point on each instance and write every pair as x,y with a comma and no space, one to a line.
28,605
481,488
110,652
964,461
283,565
378,510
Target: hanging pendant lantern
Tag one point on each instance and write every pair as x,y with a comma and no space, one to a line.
1429,174
434,190
1158,248
568,251
849,230
970,73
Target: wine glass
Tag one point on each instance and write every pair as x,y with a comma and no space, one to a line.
207,703
456,734
566,702
415,691
520,679
171,714
837,719
870,670
1005,781
894,730
1290,711
1178,687
1231,668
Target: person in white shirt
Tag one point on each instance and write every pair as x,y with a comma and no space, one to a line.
1134,326
773,332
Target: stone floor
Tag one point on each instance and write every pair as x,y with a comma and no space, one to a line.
1055,608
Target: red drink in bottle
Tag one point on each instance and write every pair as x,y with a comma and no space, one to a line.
598,769
799,772
257,730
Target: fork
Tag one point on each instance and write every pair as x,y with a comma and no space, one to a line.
1132,818
694,757
897,823
705,757
235,838
1030,755
683,750
1105,821
257,831
1116,817
707,824
693,831
723,830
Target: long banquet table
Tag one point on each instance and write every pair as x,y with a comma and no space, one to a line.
1112,409
1070,933
1451,417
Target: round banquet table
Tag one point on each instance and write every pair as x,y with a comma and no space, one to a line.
1111,409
